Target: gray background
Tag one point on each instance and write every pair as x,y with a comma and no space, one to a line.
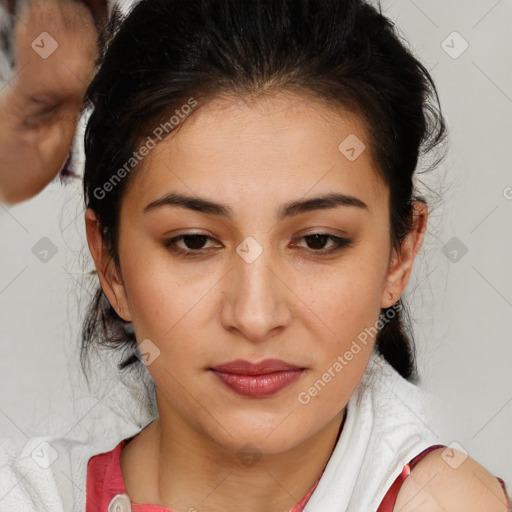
462,301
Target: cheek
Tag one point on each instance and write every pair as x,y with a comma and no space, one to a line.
158,294
347,300
161,307
349,308
346,297
173,310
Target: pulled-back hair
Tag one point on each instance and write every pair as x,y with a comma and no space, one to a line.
345,52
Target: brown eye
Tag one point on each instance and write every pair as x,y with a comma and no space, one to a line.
317,242
192,243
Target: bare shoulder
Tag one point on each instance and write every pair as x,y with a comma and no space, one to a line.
450,481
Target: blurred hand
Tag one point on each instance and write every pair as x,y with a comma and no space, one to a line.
55,45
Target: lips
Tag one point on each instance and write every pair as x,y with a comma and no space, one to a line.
257,380
241,367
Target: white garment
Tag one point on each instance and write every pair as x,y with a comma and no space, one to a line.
384,429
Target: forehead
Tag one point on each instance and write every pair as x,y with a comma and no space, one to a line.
265,149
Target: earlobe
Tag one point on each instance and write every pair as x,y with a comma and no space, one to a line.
402,260
111,283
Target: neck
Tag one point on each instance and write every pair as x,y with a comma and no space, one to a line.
174,466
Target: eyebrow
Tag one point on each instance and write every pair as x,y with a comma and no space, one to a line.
293,208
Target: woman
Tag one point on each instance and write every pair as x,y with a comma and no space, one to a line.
289,124
252,216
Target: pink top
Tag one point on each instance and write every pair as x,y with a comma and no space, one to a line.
105,482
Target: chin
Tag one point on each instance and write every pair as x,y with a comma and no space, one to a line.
263,437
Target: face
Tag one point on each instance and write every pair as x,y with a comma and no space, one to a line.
249,280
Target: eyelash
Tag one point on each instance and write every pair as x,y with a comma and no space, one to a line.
341,243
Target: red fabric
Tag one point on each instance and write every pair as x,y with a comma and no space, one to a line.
105,480
389,500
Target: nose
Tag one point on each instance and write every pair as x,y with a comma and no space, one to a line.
255,298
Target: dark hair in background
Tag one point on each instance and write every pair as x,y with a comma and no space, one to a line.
344,52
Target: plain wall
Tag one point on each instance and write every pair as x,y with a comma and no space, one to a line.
461,301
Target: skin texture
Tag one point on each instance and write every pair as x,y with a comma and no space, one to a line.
435,486
40,107
290,303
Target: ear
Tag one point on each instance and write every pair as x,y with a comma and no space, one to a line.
111,282
402,260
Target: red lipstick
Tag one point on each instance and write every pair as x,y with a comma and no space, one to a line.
257,380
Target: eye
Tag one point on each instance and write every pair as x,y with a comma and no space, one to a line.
193,244
318,241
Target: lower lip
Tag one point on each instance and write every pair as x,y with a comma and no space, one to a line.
259,385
